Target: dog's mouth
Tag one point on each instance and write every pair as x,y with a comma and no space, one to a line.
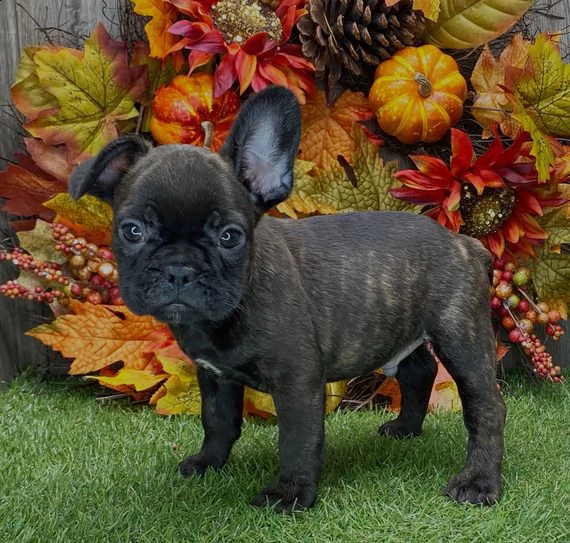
174,313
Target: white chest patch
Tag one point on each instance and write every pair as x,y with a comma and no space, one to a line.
208,366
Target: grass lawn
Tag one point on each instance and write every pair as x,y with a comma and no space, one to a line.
75,470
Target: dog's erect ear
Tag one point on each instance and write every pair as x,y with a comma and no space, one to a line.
263,143
101,175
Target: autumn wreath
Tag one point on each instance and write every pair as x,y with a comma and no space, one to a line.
483,142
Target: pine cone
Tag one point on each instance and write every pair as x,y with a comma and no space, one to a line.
347,39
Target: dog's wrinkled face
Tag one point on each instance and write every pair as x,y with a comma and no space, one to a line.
184,217
182,235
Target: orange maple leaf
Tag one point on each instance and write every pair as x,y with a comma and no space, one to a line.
491,104
327,130
99,335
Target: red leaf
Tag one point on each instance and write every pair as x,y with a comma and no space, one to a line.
461,152
25,192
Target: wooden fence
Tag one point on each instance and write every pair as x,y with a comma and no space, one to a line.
29,22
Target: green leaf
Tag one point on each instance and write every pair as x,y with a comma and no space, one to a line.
95,91
551,271
29,97
363,186
39,242
544,87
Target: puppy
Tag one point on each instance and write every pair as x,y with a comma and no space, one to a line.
284,306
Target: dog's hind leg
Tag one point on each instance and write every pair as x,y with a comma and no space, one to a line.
472,365
416,375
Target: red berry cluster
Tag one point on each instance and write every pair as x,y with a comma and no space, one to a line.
48,272
90,273
92,267
519,315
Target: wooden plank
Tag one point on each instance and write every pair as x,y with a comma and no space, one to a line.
18,29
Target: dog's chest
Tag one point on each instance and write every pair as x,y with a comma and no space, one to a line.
247,375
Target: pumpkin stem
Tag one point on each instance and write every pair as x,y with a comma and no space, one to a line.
424,86
208,128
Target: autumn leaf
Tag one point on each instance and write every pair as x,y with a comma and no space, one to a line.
364,186
466,24
258,403
28,95
89,216
50,159
543,87
95,91
430,8
299,203
444,394
551,270
25,192
261,404
491,104
39,242
528,87
542,148
98,335
180,393
327,131
163,15
130,379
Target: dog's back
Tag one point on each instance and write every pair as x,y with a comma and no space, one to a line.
376,284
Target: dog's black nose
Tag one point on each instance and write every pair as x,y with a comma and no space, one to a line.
179,276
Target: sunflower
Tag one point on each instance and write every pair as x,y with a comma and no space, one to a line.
494,198
252,42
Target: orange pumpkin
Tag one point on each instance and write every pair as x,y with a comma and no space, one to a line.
180,108
418,94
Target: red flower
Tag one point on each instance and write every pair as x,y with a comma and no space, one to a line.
493,198
251,40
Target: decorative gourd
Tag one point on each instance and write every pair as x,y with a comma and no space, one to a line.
418,94
180,108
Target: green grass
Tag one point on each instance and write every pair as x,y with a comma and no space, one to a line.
75,470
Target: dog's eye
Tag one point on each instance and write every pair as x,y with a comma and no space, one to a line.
230,238
132,232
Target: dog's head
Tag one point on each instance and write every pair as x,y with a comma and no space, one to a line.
184,217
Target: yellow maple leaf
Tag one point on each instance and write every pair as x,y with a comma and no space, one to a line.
327,131
138,380
98,335
363,186
94,91
180,393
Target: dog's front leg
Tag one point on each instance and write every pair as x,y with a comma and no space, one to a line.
222,413
300,416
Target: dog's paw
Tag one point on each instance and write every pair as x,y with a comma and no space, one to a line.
287,496
398,430
197,464
473,488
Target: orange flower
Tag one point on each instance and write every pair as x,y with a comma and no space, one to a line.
493,198
251,40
